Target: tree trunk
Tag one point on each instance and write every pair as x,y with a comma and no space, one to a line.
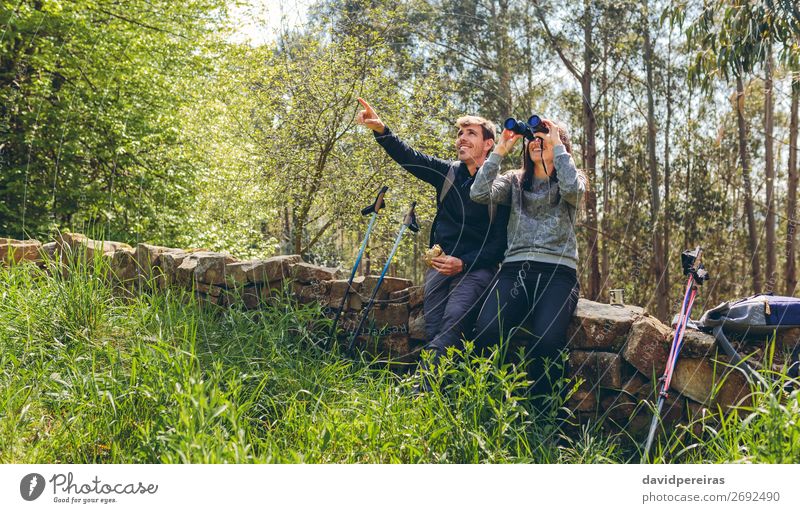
667,210
286,234
604,222
504,100
769,162
297,235
590,153
689,161
530,54
791,206
652,166
752,240
589,148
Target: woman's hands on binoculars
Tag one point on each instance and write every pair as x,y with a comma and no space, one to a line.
552,138
368,118
509,138
507,141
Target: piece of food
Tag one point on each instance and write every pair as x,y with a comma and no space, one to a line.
432,253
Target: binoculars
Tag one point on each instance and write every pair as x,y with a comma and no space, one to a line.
527,130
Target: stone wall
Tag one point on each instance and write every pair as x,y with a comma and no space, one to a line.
615,351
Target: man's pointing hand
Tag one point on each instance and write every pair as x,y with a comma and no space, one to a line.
368,118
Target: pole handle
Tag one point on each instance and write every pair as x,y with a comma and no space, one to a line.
410,219
376,205
691,263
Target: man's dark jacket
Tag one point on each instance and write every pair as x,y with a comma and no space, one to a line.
461,226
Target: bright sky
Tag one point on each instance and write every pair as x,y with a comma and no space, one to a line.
260,20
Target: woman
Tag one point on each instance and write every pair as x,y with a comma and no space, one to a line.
537,285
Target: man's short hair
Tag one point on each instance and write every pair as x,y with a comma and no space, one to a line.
488,127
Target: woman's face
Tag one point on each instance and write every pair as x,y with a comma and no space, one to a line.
538,150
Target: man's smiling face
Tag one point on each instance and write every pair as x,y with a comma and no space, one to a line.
471,145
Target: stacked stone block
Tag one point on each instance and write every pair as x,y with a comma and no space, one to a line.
618,353
386,330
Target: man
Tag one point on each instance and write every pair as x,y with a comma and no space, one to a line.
472,235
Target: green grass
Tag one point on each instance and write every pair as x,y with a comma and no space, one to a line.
90,376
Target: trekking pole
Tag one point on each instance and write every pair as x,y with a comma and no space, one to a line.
410,223
373,209
697,275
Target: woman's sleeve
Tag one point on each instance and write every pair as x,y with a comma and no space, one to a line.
571,183
489,188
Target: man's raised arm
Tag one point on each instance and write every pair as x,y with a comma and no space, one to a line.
425,167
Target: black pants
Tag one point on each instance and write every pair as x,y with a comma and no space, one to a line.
535,302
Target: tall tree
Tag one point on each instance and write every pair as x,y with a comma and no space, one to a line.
735,37
791,203
286,166
659,266
480,44
769,170
744,161
667,285
727,37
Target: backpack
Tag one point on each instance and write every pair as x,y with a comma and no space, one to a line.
757,315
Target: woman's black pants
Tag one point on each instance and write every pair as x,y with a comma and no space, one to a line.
531,301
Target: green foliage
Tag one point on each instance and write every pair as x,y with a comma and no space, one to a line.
282,166
90,94
732,38
155,125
